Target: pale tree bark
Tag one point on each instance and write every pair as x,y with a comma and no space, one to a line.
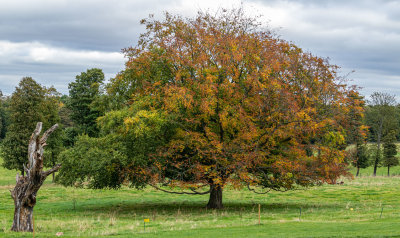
24,192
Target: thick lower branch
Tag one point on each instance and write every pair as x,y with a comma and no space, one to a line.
189,193
254,191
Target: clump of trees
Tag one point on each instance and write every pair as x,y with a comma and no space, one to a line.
382,119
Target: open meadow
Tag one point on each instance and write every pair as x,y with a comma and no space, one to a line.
363,207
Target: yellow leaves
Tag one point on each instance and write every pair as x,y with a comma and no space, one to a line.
157,83
128,123
142,122
176,97
302,115
218,146
334,138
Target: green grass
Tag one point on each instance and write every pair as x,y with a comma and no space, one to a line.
349,210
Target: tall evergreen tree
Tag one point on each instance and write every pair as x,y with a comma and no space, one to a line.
390,151
30,103
360,158
25,111
83,92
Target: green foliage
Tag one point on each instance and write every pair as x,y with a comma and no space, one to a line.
119,154
97,158
51,117
390,151
360,156
27,103
83,92
65,112
381,117
4,117
69,136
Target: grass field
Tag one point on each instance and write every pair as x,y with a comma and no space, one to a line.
363,207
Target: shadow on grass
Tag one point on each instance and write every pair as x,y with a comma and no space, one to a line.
128,207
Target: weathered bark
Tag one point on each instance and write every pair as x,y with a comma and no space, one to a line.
358,171
215,201
24,192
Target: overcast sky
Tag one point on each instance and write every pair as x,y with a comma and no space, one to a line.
54,40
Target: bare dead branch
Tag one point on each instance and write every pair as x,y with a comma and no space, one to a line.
47,133
52,170
33,144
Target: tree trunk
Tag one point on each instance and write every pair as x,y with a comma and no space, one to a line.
53,164
378,155
23,210
358,171
388,171
378,142
215,201
24,192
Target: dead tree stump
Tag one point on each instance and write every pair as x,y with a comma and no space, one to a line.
24,192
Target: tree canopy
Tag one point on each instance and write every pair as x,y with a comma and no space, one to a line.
30,103
390,158
83,92
216,100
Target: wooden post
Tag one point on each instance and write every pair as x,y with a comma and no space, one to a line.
259,214
33,225
300,214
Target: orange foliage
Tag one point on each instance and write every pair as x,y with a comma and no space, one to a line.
251,109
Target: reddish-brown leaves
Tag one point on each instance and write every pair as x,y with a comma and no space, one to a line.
251,108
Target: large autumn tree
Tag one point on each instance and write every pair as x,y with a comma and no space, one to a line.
221,101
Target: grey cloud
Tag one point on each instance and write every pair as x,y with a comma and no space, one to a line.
93,25
357,35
